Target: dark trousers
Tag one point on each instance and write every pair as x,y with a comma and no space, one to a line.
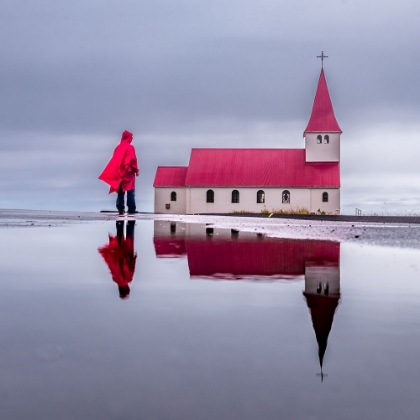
131,201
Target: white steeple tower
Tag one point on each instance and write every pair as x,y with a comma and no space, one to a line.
322,134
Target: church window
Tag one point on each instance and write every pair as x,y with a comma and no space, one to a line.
260,196
173,196
319,139
326,139
210,196
325,197
285,197
235,196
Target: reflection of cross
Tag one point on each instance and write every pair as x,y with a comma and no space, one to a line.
322,56
322,375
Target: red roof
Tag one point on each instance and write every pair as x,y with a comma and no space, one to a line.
170,176
322,117
258,168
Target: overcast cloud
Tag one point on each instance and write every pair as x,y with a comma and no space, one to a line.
196,73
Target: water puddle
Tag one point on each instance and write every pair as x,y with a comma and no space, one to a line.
168,320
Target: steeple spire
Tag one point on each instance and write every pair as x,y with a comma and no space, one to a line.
322,118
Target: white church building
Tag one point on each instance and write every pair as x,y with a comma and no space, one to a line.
219,180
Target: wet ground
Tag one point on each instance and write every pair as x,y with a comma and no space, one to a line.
402,232
157,319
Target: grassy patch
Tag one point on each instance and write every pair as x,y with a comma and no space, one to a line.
293,210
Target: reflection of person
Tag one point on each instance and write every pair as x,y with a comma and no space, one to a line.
120,256
120,173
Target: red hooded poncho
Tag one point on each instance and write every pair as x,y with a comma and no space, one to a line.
122,168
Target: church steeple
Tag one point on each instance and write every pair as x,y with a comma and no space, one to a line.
322,118
322,134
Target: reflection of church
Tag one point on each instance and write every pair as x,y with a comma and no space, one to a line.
223,254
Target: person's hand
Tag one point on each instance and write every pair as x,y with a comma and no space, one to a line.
137,174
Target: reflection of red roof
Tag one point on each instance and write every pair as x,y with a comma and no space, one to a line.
168,247
322,117
170,176
259,257
258,168
237,258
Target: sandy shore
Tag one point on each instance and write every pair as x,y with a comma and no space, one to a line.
374,230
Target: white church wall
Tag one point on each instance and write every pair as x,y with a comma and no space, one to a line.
181,230
163,198
203,230
333,204
322,152
193,200
299,198
165,228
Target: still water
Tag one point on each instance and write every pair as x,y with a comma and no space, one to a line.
160,320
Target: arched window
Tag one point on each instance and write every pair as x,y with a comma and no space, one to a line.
319,139
173,196
235,196
326,139
210,196
260,196
285,197
325,197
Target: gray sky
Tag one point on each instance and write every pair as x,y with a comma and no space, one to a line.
196,73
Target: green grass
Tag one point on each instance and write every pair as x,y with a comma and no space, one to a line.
293,210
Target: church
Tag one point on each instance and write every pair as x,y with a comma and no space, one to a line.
230,180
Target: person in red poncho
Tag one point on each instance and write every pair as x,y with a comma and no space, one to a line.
120,173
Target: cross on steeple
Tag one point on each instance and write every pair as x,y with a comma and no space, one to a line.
322,56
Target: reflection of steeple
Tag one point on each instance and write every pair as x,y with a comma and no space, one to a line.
322,310
322,293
